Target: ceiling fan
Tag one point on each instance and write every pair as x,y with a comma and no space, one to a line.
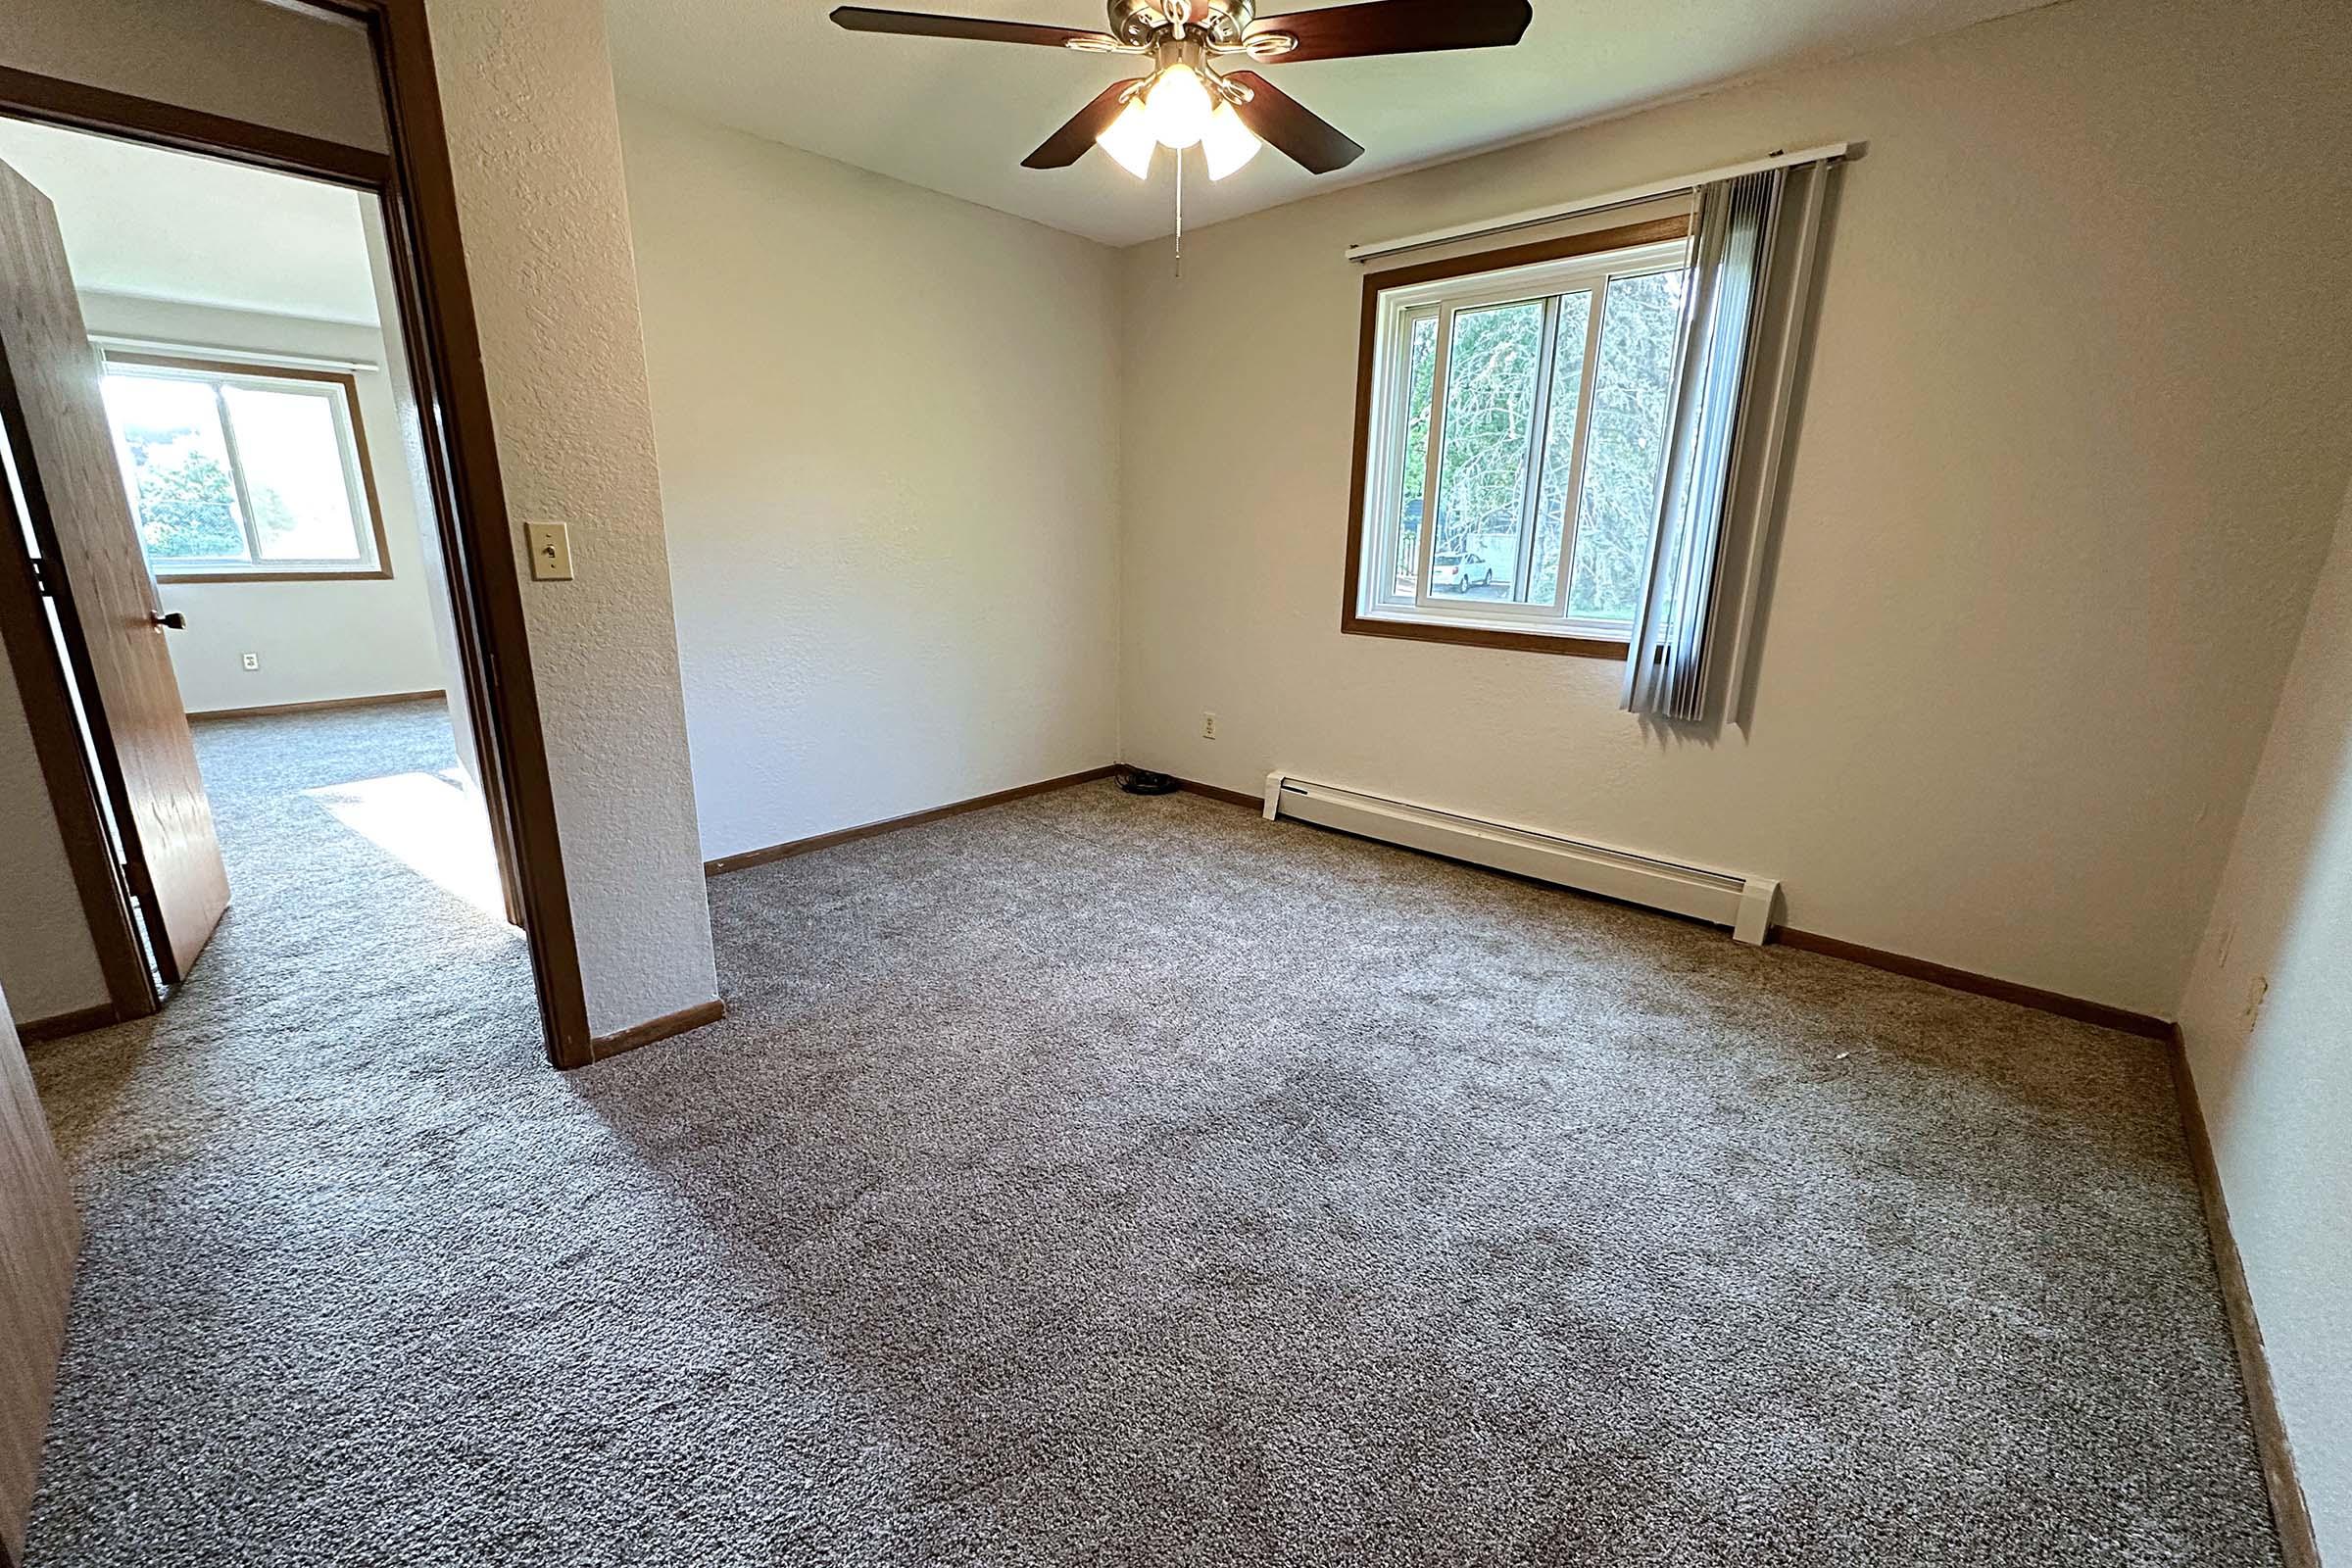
1183,100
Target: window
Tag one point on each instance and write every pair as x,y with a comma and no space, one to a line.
1512,434
244,474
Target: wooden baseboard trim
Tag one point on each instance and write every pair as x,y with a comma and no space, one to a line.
267,709
2141,1024
666,1027
728,864
1219,793
2290,1511
58,1025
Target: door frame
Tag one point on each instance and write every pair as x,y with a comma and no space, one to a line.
417,189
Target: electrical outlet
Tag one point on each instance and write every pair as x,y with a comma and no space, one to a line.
253,660
1208,726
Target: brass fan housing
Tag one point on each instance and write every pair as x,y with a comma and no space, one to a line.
1143,23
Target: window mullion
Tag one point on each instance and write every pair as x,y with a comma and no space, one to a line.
1440,372
236,475
1572,514
1531,476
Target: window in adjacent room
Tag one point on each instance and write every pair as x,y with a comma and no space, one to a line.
1515,408
244,472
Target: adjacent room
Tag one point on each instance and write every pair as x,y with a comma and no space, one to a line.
256,407
1149,782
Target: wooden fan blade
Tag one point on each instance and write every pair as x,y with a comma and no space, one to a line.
922,25
1301,134
1400,28
1069,144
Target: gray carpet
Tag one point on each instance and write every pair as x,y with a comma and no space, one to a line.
1096,1179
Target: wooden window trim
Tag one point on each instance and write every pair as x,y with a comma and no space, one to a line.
1354,624
262,371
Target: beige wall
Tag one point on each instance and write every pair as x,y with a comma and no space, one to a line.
2055,507
2268,1022
535,138
889,436
247,59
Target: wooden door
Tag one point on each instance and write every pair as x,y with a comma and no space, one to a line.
52,404
39,1238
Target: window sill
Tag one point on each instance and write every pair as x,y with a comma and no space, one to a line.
170,579
1462,635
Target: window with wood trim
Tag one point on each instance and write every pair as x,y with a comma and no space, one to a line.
244,472
1513,410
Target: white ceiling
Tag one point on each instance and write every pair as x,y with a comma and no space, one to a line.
959,117
171,226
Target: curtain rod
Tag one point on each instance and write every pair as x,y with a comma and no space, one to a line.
258,359
1595,204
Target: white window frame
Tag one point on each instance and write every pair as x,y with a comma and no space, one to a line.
1399,310
339,393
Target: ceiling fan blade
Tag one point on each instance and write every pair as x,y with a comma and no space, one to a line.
1301,134
1398,27
922,25
1070,144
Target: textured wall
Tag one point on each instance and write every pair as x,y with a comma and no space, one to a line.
317,641
890,469
2269,1023
2056,501
536,142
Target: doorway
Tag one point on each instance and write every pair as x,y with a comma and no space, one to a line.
246,329
92,766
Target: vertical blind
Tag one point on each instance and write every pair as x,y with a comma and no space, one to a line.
1751,263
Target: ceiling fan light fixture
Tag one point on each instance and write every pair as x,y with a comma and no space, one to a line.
1129,139
1178,107
1227,144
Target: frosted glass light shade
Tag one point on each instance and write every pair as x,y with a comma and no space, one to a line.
1130,141
1227,143
1177,107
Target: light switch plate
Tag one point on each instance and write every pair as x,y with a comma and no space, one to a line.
551,551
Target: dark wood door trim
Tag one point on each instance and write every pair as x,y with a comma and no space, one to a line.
54,101
419,191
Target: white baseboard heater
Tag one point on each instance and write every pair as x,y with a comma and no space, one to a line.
1722,898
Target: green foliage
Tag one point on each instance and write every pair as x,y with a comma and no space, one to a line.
189,509
1631,390
1490,382
1492,375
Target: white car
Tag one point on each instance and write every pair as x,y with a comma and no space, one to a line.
1461,574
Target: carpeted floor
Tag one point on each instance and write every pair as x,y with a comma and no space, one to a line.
1096,1179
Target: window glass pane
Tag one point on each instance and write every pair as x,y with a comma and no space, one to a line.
1627,447
1491,379
1424,372
177,467
293,461
1559,446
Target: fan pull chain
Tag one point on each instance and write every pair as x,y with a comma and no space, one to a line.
1180,217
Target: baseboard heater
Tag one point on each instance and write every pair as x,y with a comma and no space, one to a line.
1722,898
